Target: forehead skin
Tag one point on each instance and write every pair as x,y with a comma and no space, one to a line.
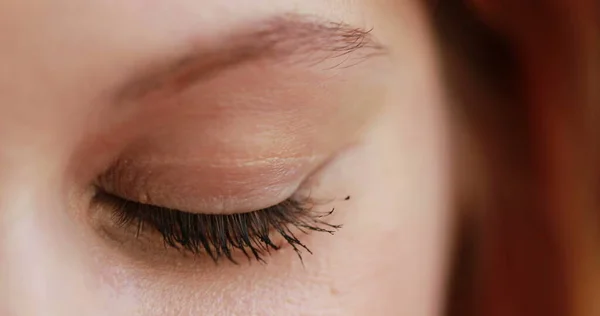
61,59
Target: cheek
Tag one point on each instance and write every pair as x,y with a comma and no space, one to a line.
389,258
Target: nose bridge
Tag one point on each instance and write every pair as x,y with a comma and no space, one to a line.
42,269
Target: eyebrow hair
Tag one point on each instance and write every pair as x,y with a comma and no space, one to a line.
286,38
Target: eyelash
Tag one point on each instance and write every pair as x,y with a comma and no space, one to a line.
220,235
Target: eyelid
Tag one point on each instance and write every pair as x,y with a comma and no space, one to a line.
202,188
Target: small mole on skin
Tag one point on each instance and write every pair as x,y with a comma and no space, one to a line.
143,198
347,198
334,291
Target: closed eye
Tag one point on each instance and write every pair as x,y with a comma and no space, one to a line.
222,235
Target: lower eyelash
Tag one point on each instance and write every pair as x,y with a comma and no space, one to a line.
220,235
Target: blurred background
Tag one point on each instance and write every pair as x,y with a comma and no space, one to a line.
524,77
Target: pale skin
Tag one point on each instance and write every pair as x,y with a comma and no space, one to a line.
244,138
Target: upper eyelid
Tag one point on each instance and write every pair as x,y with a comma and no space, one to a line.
182,186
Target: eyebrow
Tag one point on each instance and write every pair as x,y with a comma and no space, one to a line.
286,38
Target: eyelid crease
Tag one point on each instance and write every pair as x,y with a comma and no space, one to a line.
225,161
277,160
229,161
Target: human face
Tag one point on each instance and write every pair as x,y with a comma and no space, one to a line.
200,113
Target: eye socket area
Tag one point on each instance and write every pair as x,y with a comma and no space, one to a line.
223,226
233,143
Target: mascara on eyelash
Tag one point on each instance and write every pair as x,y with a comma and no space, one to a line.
218,235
